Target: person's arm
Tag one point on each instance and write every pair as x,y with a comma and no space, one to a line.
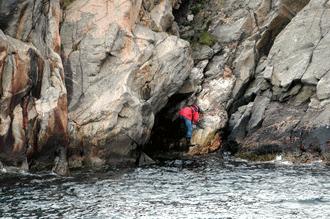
195,117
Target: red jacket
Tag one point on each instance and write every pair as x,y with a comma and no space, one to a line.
189,113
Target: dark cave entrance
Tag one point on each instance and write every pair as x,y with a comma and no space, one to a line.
168,129
180,14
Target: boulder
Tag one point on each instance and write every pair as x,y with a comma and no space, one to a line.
226,33
202,52
215,66
194,81
162,15
238,123
119,75
257,114
211,100
300,52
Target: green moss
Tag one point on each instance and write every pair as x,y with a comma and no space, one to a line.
66,3
207,39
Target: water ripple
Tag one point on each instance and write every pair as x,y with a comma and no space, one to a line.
204,188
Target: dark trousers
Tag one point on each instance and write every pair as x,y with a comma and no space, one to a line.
188,125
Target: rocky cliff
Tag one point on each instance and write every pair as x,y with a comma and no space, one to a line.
259,76
94,83
284,107
120,73
33,106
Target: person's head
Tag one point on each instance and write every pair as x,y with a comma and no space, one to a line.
195,107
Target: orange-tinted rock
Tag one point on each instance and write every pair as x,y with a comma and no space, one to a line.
16,85
32,84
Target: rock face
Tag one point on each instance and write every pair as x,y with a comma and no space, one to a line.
264,71
290,111
119,74
33,115
257,68
238,34
254,70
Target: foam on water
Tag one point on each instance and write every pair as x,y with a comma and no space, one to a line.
204,188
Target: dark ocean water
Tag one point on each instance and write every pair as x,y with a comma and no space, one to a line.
207,187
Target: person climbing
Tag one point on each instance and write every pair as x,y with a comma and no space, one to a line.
189,115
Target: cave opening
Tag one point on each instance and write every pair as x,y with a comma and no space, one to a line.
168,131
180,13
